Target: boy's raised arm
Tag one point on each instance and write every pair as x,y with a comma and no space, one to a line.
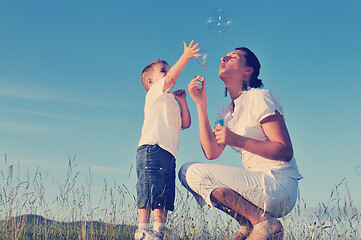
173,73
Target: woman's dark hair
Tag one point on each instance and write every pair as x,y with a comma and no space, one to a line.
252,61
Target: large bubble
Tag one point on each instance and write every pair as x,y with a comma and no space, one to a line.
219,21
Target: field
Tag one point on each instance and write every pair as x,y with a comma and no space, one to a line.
74,214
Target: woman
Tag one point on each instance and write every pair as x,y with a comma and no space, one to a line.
254,126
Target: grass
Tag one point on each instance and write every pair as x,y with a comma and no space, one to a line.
74,212
338,219
31,226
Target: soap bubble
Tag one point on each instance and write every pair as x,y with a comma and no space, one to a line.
358,170
219,21
202,60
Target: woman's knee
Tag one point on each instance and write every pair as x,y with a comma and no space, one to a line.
218,193
182,174
192,175
223,193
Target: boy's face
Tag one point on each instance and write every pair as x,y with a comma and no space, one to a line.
160,71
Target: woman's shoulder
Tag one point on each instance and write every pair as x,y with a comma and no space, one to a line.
264,99
256,94
259,92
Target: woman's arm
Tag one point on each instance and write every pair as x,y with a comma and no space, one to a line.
211,148
279,146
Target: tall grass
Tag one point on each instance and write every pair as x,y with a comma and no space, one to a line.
337,219
70,213
72,210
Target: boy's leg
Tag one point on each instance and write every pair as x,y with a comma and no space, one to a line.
160,218
144,215
160,215
144,231
165,197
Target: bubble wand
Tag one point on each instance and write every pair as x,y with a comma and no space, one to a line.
203,62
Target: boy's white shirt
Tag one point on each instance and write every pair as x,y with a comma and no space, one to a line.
162,119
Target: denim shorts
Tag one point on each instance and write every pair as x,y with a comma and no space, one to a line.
156,178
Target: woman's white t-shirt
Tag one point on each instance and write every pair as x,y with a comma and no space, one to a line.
250,108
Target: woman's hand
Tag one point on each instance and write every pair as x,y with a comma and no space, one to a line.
223,135
199,96
278,147
211,148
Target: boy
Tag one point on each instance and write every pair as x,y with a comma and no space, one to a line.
158,144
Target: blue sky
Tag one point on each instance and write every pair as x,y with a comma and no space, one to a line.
70,81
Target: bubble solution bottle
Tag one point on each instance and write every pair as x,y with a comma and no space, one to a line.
220,122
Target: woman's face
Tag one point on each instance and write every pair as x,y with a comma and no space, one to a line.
234,65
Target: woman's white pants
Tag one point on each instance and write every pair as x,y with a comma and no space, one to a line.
270,191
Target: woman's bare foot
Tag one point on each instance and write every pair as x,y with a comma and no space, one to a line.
269,229
242,233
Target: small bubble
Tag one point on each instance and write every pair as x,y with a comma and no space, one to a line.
358,170
202,59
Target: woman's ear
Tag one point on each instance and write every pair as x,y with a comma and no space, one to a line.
250,70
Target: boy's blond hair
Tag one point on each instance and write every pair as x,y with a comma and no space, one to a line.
148,70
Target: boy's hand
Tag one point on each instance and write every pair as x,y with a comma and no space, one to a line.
180,95
191,51
174,72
